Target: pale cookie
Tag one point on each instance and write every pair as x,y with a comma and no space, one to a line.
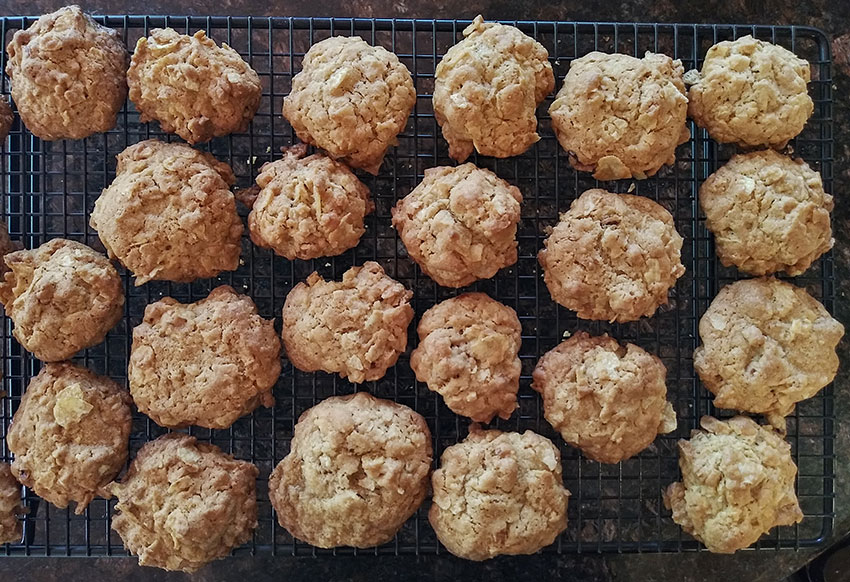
7,118
7,245
356,471
737,483
10,506
350,99
606,399
459,224
612,256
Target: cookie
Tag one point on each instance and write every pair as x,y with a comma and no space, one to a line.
68,75
62,297
737,483
750,92
619,116
192,86
10,506
350,99
183,504
308,207
357,469
69,435
459,224
356,328
606,399
487,88
7,118
498,493
467,353
766,345
768,213
612,256
7,245
169,214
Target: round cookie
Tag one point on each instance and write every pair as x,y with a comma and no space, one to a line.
356,471
68,75
487,88
10,506
7,118
750,92
191,86
308,207
768,213
766,345
350,99
183,504
459,224
70,434
619,116
606,399
205,363
467,353
356,328
169,214
62,297
612,256
737,483
498,493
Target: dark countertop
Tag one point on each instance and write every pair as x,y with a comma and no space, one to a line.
833,16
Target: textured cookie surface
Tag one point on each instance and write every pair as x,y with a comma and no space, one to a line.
737,483
169,214
612,256
10,506
356,471
7,245
7,118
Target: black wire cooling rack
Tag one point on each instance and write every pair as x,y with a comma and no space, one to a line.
49,189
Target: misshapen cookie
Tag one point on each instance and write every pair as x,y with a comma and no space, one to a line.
7,118
10,506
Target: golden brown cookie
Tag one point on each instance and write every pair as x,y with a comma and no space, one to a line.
737,483
7,118
356,471
10,506
7,245
169,213
192,86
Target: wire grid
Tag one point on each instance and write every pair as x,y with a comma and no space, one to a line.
50,189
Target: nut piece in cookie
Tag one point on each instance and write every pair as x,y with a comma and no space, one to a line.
356,471
350,99
766,345
737,483
750,92
606,399
183,504
169,214
487,88
612,256
768,213
467,353
356,327
498,493
68,75
69,436
459,224
619,116
10,506
7,118
192,86
62,297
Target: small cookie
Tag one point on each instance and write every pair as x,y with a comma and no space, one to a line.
70,434
7,245
459,224
10,506
750,92
768,213
737,483
356,328
7,118
350,99
606,399
498,493
766,345
619,116
191,86
612,256
62,297
356,471
169,214
183,504
487,88
467,353
68,75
